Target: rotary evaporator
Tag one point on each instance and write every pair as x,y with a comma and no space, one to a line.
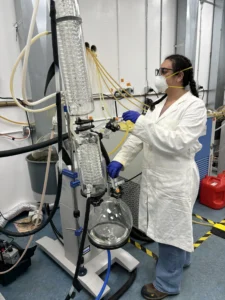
93,222
96,223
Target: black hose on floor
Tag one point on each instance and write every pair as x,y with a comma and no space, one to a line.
141,236
125,287
59,187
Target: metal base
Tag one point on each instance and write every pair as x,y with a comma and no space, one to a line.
91,282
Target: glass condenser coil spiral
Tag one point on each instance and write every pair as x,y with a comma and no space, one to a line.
72,57
91,164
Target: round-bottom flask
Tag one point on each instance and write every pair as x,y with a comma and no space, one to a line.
110,224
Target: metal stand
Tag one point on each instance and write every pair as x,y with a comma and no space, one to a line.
91,281
95,260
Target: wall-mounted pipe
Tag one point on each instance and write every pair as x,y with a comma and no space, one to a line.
7,103
146,43
200,43
118,38
176,29
161,28
210,57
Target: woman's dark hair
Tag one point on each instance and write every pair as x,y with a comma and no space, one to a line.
179,63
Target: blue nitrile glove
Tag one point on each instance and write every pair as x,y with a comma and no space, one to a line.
114,169
131,115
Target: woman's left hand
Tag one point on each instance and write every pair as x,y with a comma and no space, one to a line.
131,115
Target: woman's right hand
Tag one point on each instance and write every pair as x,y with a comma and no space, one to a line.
114,169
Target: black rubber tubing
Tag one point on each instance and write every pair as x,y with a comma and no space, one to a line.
22,150
59,187
60,138
125,287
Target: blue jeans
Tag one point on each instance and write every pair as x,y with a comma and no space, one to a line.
169,268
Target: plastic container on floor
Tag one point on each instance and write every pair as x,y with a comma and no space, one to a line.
212,191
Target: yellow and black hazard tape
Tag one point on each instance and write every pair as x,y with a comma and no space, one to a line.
204,219
219,229
142,248
202,239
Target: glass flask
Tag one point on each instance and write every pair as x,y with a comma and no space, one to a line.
72,57
110,224
92,168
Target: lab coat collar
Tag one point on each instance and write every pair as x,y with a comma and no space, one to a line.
173,107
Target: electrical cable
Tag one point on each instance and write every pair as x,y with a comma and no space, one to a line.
22,150
10,137
127,180
13,138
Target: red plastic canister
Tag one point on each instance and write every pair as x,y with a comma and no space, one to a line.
212,191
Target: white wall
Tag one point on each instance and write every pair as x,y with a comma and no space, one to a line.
203,56
14,180
124,55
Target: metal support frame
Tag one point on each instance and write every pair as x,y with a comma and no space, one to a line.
95,260
187,23
216,83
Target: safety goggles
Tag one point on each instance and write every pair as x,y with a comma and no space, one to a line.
164,71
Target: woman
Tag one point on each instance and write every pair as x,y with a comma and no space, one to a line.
168,136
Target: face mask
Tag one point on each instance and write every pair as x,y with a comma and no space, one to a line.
161,84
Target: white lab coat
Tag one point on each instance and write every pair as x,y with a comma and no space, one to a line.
170,177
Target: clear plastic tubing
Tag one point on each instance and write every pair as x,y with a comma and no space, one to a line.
72,57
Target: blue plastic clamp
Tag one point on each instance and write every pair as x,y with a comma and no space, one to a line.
75,183
70,174
65,108
79,231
